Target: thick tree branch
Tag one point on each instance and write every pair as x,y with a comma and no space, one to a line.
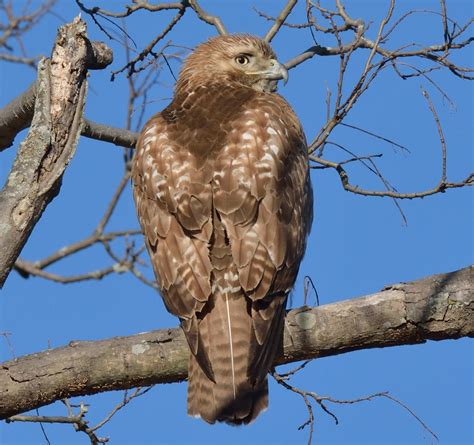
17,115
36,175
435,308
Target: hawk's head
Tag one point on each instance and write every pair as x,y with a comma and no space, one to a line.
231,59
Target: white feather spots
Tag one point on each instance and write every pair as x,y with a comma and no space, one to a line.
267,115
250,122
229,290
149,139
182,179
247,136
275,148
272,131
150,130
267,157
230,276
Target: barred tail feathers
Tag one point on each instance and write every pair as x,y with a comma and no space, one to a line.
233,398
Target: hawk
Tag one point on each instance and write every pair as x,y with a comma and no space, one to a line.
222,188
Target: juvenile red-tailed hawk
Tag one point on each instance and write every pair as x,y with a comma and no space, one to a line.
222,188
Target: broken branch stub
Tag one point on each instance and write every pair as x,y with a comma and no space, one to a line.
42,158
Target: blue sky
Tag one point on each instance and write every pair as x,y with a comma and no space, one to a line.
357,245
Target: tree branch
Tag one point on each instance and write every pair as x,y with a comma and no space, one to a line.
36,175
17,115
209,19
280,20
434,308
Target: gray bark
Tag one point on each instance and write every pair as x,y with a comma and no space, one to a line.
18,114
435,308
36,175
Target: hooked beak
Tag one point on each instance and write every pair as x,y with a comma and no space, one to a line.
277,71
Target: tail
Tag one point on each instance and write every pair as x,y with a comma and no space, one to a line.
232,395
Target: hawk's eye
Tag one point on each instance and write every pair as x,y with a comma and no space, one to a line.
242,60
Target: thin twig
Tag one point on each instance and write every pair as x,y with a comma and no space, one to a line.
127,399
280,19
210,19
320,400
442,141
113,203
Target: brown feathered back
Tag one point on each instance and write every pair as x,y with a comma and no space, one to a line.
223,194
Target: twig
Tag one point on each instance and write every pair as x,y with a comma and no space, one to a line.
6,336
43,429
469,181
127,399
77,420
271,33
375,135
320,400
347,161
30,61
441,137
81,245
113,203
27,268
288,25
134,8
148,50
210,19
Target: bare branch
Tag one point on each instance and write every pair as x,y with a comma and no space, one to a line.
27,268
427,52
77,420
16,25
286,11
111,207
30,61
442,141
36,175
131,68
435,308
282,379
130,9
440,188
105,133
210,19
126,400
17,115
288,25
